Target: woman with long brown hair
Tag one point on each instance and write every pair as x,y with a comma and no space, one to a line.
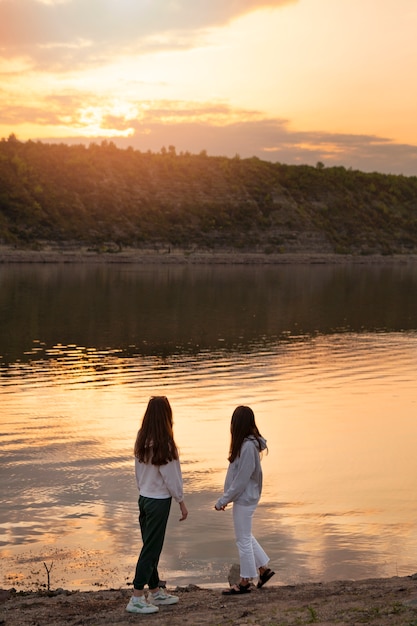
159,479
243,487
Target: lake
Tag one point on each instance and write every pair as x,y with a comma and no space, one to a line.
326,355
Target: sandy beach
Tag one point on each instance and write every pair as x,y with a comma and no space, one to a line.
381,602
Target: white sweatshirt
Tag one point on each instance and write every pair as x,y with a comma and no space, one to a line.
160,481
243,483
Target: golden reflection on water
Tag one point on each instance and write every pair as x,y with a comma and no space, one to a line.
339,499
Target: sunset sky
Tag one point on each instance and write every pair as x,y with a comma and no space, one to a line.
295,81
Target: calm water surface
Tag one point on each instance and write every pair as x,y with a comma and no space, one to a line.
327,358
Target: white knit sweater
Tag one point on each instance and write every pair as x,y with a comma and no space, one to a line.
160,481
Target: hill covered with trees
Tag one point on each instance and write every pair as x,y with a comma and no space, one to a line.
102,196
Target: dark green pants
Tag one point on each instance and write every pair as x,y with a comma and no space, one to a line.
153,519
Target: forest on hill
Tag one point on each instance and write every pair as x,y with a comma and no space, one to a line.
109,198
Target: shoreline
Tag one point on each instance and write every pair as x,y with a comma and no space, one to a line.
67,254
379,602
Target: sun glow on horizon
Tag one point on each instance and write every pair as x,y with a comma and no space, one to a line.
315,67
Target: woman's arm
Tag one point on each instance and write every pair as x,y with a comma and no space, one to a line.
247,463
172,477
184,511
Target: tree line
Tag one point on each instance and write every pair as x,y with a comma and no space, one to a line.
106,197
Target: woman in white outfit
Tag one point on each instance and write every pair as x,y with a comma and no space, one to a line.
243,487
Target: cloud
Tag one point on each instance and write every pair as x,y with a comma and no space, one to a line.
66,32
272,140
56,110
214,127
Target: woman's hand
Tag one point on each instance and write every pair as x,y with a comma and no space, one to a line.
184,511
220,508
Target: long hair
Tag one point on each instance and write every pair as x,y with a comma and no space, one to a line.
242,425
155,439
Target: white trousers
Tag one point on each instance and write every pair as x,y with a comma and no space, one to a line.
251,554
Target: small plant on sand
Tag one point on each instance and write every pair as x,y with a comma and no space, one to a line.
313,615
48,572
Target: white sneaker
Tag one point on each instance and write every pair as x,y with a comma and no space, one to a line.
162,597
139,604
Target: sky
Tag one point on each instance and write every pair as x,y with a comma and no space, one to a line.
289,81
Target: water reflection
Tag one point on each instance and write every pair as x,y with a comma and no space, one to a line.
337,409
177,309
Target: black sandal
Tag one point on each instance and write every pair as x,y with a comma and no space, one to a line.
237,590
264,577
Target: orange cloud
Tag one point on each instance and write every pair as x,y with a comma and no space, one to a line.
216,128
74,32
